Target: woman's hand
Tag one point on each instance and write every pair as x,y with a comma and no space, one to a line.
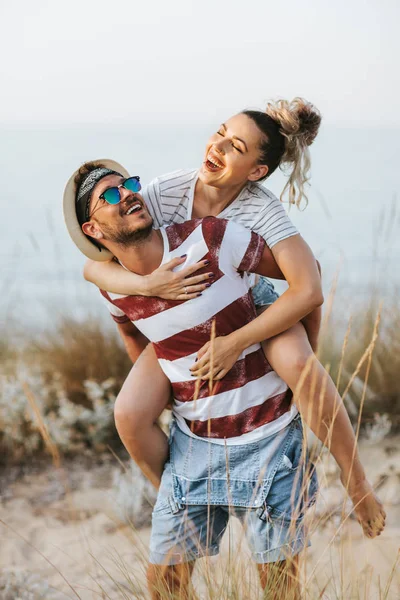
224,355
178,285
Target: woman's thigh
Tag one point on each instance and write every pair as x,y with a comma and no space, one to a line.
289,354
146,391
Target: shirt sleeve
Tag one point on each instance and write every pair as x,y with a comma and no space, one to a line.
241,249
116,313
273,223
152,197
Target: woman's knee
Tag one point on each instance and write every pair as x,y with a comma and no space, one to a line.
290,356
303,361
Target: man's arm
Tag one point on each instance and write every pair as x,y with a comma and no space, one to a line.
134,341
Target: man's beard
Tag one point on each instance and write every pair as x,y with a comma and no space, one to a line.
126,237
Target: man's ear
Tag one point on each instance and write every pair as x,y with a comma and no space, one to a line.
258,172
91,229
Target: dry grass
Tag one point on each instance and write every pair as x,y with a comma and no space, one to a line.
382,392
74,372
80,351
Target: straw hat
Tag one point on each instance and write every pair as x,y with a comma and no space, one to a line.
71,220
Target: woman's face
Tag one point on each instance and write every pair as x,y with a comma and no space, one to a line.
232,154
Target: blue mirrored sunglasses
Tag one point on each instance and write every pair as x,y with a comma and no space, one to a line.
112,195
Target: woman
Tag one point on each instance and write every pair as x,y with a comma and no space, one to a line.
246,149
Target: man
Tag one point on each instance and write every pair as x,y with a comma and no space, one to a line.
235,447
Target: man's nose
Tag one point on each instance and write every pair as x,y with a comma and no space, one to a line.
124,193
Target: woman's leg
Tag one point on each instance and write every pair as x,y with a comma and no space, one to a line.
139,404
321,407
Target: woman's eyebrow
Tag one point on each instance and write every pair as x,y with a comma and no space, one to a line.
234,137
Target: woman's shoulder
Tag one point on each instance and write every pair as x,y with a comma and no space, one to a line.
175,179
258,193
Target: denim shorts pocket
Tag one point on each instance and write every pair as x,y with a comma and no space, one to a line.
294,456
294,482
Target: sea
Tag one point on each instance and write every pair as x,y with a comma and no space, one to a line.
351,222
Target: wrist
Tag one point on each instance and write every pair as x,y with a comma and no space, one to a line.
238,341
145,285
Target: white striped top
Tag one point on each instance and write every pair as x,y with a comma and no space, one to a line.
169,199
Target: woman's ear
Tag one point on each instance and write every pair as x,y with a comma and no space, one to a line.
258,172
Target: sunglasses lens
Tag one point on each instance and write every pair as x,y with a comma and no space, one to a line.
112,195
133,185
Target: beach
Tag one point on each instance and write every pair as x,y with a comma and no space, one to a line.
68,529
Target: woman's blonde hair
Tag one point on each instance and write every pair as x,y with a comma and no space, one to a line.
289,129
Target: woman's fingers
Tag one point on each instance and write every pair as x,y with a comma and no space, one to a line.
200,364
172,264
187,296
204,277
203,350
211,374
219,375
188,271
185,285
201,370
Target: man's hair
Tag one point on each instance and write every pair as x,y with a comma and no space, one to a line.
83,172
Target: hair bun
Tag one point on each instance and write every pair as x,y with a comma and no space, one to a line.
309,119
299,123
298,120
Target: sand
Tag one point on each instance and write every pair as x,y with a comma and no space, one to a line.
66,545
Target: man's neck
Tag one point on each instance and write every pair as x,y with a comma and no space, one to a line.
210,200
143,257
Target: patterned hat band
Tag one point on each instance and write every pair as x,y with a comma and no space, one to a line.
85,191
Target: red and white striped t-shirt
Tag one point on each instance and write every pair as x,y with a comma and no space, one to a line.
251,402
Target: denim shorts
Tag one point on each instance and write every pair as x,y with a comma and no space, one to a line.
264,292
268,485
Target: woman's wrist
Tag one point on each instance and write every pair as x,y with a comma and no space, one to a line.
145,285
239,340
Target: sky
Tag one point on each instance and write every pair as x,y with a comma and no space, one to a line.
84,61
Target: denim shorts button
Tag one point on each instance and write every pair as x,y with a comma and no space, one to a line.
183,498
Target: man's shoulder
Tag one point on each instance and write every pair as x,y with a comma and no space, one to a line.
178,233
207,224
211,229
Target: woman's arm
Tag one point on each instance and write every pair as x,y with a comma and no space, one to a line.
312,323
164,282
304,294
